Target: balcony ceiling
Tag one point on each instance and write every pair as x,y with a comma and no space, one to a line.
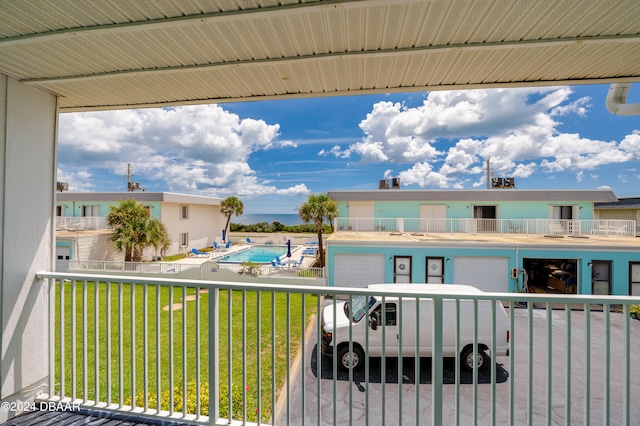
117,54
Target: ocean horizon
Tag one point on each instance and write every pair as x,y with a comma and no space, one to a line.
289,219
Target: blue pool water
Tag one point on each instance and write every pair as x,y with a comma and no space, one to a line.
260,254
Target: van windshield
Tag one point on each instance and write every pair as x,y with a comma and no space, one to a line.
359,307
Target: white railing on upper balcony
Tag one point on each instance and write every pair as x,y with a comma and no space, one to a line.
284,271
122,266
557,227
248,353
69,223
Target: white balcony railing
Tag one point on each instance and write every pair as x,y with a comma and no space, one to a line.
245,352
103,266
556,227
69,223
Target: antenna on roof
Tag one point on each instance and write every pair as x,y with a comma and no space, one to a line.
488,170
132,186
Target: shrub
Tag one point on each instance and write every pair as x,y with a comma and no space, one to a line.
165,400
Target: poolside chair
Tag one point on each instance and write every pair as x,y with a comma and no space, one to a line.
299,262
249,241
227,246
278,263
197,253
217,247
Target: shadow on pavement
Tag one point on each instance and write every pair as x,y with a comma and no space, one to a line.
408,371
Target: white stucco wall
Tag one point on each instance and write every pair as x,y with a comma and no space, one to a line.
28,118
203,224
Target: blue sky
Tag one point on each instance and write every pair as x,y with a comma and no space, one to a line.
273,154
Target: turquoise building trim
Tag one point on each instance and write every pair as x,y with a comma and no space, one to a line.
464,209
76,208
515,255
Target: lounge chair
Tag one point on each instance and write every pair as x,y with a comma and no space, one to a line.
197,253
249,241
227,246
311,251
278,263
299,262
217,247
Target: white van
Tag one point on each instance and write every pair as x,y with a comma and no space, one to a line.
395,327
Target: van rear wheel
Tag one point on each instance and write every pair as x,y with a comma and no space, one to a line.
467,359
348,360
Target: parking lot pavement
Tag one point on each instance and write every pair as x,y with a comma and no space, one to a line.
385,402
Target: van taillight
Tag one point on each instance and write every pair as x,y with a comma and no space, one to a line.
508,335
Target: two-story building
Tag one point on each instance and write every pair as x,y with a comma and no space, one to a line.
626,208
82,232
503,240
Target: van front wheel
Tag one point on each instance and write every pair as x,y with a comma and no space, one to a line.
348,360
466,358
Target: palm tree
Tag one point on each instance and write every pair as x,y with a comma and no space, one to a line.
230,206
316,209
134,229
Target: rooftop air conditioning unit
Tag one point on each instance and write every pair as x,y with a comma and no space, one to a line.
395,183
496,182
384,184
62,186
509,182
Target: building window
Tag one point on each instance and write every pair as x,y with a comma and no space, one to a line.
634,278
184,239
184,212
59,210
90,211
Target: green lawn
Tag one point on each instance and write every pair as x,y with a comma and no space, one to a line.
245,386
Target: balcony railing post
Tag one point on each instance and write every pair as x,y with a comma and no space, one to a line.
214,373
437,363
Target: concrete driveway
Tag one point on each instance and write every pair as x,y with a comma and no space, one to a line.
393,404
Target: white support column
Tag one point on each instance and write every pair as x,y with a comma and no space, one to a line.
28,128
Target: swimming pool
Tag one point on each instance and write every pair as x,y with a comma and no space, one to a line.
254,254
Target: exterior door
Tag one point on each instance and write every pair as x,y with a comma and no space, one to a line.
435,270
361,216
358,270
402,270
601,277
485,217
634,283
433,218
62,258
485,273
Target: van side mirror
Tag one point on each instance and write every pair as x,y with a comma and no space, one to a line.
373,322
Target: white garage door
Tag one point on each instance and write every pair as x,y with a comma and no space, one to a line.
62,259
358,270
485,273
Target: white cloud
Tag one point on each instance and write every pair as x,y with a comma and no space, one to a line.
451,134
424,176
197,149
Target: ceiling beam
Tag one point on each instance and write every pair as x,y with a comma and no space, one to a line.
190,20
631,38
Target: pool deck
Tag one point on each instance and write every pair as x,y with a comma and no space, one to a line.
296,253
